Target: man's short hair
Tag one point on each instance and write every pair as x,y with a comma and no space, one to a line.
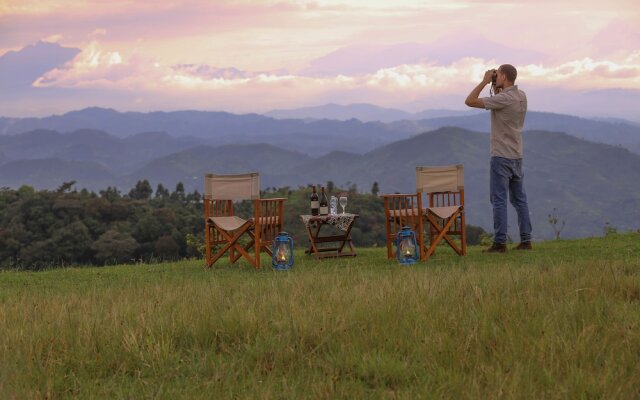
509,71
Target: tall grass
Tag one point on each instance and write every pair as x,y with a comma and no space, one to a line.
562,321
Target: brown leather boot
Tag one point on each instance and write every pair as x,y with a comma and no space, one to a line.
523,246
496,248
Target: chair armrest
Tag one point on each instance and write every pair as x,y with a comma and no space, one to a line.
272,199
399,194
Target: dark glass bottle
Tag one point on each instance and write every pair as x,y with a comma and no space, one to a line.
324,203
315,203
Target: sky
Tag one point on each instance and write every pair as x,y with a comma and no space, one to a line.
580,58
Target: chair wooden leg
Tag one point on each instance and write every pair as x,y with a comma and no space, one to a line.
238,255
389,240
232,246
255,260
220,253
442,234
453,244
389,248
433,234
463,233
207,240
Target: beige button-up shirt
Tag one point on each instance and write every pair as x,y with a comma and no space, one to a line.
508,109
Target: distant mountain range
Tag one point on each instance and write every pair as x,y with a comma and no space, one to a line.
216,128
615,133
312,137
118,155
362,112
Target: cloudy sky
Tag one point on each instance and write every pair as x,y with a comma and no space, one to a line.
580,58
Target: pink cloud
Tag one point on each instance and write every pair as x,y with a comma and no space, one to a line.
253,55
618,72
202,85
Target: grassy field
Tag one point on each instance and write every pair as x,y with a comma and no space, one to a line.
562,321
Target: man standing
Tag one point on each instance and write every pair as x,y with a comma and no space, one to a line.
508,108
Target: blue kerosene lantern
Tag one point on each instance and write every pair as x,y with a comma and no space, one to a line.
406,246
282,258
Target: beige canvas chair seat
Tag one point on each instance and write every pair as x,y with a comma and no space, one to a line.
443,212
224,229
233,223
228,223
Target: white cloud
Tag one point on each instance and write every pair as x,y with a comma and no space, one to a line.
94,66
154,85
586,73
55,38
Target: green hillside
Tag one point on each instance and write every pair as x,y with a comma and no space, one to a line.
560,321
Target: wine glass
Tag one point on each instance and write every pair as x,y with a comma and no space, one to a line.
343,201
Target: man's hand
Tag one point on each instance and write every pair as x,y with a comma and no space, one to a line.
488,76
473,100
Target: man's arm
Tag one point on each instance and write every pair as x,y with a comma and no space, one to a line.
473,99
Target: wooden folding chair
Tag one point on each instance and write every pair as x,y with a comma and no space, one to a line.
224,229
403,210
445,218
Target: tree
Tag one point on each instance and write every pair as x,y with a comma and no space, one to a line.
26,191
110,193
37,255
142,191
375,189
162,192
71,244
148,229
179,192
114,247
12,239
555,223
167,248
65,187
194,197
330,186
475,235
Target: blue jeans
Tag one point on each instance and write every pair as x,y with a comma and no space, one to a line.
507,176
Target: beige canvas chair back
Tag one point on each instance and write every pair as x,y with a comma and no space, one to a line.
232,187
448,178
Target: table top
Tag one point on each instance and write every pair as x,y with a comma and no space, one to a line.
341,221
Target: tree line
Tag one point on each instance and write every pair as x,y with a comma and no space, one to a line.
46,229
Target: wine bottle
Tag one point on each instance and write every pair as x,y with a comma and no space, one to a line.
324,203
315,204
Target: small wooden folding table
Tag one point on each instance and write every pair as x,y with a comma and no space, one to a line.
330,245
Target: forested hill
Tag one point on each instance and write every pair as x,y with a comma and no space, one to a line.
45,229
